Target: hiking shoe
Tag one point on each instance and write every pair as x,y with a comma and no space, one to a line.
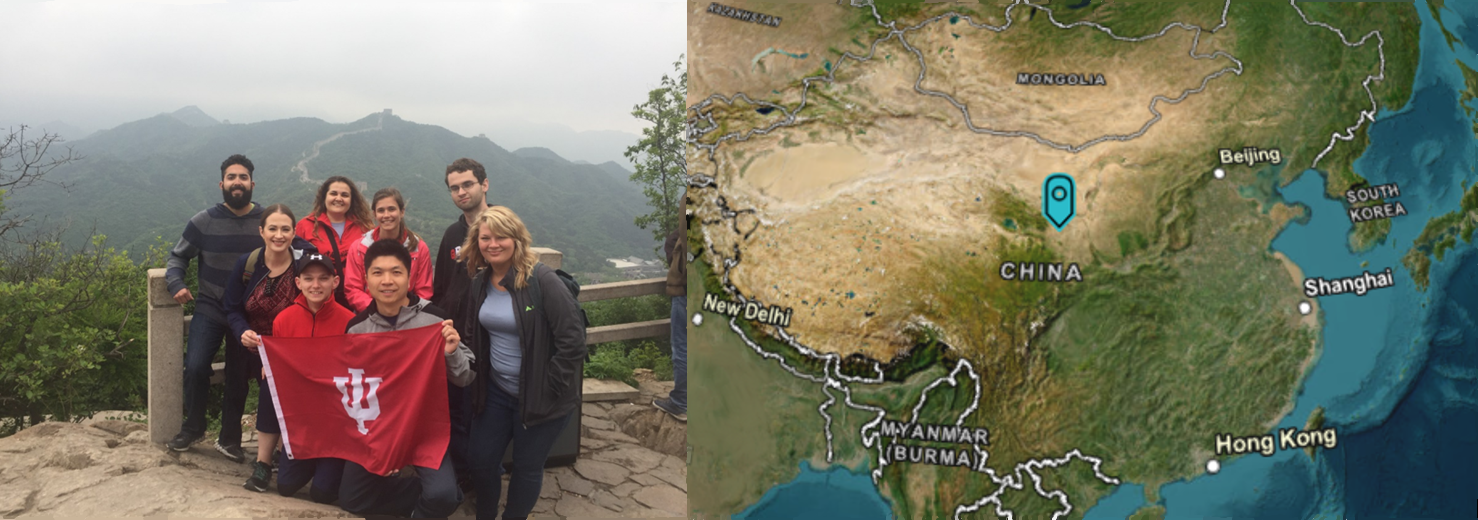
261,474
182,441
666,405
233,453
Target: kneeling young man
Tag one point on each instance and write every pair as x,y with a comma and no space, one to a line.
434,493
313,314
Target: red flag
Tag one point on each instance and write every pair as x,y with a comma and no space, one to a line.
377,399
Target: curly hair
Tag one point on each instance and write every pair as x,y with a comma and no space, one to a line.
359,210
235,160
502,222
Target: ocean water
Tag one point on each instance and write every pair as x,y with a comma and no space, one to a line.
1122,502
832,493
1398,371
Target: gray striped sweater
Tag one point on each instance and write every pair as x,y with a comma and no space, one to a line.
218,237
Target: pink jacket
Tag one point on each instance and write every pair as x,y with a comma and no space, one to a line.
354,288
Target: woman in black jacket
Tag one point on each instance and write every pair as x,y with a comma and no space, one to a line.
526,331
261,285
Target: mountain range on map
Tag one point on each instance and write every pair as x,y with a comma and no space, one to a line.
139,182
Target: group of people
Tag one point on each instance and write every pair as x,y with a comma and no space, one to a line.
351,267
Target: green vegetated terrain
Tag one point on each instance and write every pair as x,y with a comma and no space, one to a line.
758,421
142,180
1140,364
1441,234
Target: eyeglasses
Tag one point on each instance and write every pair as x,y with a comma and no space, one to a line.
457,188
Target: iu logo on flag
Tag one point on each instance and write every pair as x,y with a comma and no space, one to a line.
312,377
371,410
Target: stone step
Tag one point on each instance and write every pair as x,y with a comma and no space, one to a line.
607,390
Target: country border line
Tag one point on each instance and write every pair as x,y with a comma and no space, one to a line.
1365,115
790,118
832,361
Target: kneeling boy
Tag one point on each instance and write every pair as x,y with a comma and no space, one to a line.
313,314
435,492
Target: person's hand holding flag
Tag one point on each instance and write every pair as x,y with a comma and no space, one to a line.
452,338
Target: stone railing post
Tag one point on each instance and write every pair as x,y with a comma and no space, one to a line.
166,360
549,256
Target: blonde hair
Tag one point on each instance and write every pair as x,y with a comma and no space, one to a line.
502,222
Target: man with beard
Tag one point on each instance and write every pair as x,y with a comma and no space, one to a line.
467,182
218,235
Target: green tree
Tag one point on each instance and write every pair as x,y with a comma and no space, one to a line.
659,157
72,326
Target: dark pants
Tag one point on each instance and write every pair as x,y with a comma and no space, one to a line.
266,409
679,393
205,338
460,410
492,431
433,495
242,365
327,475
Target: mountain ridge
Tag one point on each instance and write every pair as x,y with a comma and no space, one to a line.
143,179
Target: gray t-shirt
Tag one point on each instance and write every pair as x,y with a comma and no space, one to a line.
339,228
496,316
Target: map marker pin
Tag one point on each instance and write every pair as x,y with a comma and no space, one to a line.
1059,195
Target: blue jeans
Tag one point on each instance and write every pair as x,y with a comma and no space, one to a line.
433,494
492,431
205,338
679,395
326,474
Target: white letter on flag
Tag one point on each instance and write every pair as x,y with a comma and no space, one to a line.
360,415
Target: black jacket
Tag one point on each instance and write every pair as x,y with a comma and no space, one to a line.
553,339
449,277
237,292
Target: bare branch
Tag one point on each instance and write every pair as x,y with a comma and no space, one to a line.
24,162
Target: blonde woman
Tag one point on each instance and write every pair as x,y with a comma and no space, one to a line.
528,337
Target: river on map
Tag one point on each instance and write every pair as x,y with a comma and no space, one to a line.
762,54
833,493
1398,371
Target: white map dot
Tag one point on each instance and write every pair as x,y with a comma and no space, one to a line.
1213,467
1305,308
697,318
1219,173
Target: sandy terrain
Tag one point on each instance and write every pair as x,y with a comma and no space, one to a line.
876,178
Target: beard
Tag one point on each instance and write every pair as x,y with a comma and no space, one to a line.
474,202
236,202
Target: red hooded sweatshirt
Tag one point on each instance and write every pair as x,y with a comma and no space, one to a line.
297,321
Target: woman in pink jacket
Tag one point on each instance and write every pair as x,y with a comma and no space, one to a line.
389,208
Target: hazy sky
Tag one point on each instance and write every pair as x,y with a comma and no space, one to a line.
467,66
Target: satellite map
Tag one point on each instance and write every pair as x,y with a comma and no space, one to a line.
1083,259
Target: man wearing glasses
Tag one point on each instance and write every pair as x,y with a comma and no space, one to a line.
467,182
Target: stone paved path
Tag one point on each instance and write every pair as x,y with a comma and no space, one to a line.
617,475
107,467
